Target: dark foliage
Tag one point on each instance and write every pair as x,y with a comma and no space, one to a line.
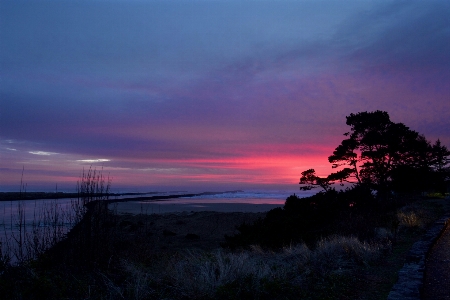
384,156
351,212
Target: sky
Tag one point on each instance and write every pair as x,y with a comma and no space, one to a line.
209,94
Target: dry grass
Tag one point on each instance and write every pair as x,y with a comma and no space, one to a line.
340,254
412,216
199,274
204,274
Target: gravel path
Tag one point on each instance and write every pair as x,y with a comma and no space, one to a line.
437,270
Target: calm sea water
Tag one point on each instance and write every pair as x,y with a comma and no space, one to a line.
32,210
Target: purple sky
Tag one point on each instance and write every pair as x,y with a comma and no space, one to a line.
209,94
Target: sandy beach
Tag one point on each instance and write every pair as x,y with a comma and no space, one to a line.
198,205
186,230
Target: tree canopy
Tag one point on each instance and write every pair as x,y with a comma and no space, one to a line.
384,156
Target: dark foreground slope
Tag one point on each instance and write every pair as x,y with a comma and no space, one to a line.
110,256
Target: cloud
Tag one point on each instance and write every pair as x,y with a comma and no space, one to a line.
42,153
400,33
93,160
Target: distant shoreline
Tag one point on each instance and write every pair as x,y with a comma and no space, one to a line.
8,196
16,196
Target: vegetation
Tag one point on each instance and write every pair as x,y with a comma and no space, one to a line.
24,240
125,265
384,156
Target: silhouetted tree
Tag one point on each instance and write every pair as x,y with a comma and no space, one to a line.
440,157
383,156
310,180
439,163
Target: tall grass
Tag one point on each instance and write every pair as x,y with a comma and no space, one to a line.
24,240
92,187
198,275
256,273
411,216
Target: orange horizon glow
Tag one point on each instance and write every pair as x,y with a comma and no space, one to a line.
254,170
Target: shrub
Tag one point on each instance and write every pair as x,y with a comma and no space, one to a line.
341,254
410,217
260,273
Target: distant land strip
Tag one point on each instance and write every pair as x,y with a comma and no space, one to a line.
164,197
14,196
8,196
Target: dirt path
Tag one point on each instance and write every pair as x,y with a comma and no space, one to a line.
437,270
